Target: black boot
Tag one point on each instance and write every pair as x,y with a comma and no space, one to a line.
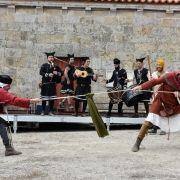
108,115
10,151
120,112
135,115
136,146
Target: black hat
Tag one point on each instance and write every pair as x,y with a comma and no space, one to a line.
70,56
116,61
140,59
50,54
5,79
83,59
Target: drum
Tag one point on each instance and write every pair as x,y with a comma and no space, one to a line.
115,97
131,98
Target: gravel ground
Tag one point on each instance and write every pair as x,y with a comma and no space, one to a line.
83,155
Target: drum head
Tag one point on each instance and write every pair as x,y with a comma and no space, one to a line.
115,94
131,98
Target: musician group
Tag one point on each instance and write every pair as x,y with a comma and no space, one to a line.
52,74
76,81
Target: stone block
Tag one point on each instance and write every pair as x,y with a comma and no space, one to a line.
39,10
2,35
10,61
25,26
64,10
11,44
24,35
3,26
24,17
13,35
11,9
12,52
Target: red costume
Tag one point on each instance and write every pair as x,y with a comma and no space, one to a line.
10,99
165,104
7,98
165,108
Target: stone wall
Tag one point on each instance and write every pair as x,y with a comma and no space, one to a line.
102,34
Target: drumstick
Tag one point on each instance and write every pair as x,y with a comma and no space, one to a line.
149,64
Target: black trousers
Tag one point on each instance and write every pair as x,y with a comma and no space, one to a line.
81,90
120,105
146,105
51,105
4,135
77,105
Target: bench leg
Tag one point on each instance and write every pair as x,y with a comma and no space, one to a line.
15,124
108,123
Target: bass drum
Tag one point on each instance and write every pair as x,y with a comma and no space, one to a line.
115,97
131,98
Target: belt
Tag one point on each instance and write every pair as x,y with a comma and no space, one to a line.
83,85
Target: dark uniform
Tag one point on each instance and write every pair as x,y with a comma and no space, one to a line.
83,87
118,77
141,76
48,88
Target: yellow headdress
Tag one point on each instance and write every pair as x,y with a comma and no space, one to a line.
160,62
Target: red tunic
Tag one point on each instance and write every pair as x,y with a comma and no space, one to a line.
163,102
7,98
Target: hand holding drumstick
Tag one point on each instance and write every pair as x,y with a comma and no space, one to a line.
137,88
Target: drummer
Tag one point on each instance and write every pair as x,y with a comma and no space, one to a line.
118,78
140,76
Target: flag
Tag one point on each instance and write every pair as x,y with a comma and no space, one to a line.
96,118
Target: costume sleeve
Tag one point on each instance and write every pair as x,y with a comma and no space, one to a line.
112,78
57,77
59,72
74,74
43,71
152,83
144,78
11,99
134,78
92,74
125,77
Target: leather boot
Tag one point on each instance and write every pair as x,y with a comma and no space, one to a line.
136,146
143,131
10,151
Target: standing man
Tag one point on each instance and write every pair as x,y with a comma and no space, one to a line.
83,84
68,83
118,78
157,74
7,98
51,74
140,76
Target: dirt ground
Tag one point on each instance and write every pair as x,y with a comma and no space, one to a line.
83,155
